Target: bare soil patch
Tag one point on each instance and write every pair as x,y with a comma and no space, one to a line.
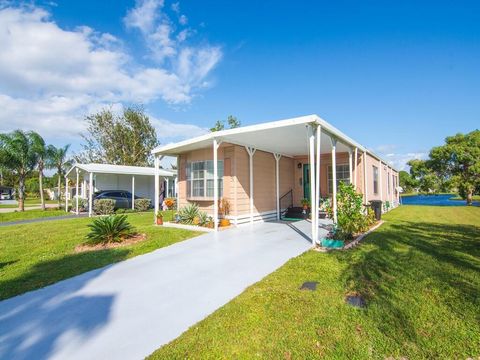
112,245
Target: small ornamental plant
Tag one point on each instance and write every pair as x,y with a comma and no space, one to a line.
305,203
159,218
350,215
109,229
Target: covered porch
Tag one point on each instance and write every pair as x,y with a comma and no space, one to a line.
305,142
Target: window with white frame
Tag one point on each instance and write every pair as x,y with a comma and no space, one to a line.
343,175
375,179
200,182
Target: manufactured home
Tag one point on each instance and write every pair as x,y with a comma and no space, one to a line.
264,169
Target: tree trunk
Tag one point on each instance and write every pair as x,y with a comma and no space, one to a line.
59,189
40,185
469,197
21,193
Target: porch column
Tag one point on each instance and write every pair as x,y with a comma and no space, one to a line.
215,184
251,152
84,187
355,169
133,192
157,187
66,194
317,183
76,191
350,165
177,193
90,195
365,186
380,170
313,197
167,190
277,182
334,178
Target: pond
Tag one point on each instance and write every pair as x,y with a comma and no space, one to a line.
436,200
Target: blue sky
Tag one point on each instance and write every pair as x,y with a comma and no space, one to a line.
397,77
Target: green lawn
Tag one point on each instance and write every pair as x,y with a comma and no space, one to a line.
29,202
35,255
420,276
30,214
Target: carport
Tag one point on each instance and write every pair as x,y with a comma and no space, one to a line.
139,180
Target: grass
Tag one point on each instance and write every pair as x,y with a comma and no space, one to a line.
30,214
35,255
419,273
28,202
458,197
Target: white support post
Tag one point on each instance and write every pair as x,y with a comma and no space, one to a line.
157,187
365,180
350,165
177,191
133,192
355,169
277,182
313,197
251,152
167,190
215,184
317,182
84,187
76,192
66,194
334,178
90,195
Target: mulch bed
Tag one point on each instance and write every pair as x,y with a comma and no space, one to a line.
128,241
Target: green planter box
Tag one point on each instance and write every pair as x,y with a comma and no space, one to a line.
332,243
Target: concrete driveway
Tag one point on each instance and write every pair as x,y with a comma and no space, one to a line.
129,309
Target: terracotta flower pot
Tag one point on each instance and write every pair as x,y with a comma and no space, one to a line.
159,220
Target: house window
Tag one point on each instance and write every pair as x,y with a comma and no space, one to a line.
375,180
343,175
200,183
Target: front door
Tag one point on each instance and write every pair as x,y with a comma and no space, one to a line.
306,181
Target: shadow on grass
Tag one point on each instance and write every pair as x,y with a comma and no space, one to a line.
48,272
41,323
420,257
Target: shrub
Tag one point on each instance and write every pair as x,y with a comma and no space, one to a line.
203,218
113,228
142,204
188,214
350,217
104,206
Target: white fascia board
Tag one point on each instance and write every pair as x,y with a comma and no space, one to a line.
240,130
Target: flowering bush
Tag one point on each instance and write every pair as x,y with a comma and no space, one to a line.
170,203
350,215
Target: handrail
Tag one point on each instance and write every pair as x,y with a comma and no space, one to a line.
288,195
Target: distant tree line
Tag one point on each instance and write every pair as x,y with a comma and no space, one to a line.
454,165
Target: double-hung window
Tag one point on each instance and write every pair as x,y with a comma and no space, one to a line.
343,175
375,179
200,182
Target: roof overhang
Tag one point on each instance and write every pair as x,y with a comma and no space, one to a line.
119,170
288,137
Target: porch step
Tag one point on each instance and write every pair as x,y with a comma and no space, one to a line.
294,213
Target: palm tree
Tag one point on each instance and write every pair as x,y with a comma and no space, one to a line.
42,156
58,160
17,153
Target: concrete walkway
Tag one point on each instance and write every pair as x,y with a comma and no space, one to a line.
35,207
129,309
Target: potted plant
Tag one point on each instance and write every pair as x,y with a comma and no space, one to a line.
305,203
224,209
159,218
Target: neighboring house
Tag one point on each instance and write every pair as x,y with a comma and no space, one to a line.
139,181
258,165
6,192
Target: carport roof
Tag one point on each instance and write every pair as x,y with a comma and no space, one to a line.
287,137
120,169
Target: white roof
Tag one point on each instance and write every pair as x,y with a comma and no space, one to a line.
287,137
121,169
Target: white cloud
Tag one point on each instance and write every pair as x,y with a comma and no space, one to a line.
183,20
50,77
399,160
